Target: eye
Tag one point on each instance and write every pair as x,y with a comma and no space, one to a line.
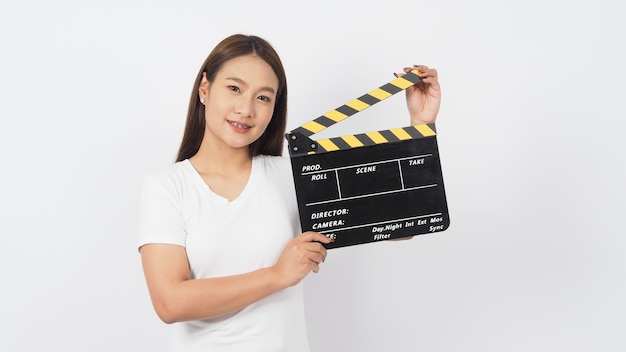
264,98
234,88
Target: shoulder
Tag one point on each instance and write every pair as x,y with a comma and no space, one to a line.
168,177
169,171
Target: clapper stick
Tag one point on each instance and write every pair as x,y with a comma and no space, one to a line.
299,141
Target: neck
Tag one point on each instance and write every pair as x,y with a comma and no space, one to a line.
213,158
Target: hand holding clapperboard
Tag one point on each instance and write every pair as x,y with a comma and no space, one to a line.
371,186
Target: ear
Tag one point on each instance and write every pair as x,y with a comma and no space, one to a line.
203,89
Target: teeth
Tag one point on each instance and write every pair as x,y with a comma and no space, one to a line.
237,125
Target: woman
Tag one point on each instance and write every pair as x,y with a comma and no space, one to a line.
220,242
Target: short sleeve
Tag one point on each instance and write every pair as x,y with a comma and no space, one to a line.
161,215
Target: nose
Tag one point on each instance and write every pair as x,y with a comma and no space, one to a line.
244,107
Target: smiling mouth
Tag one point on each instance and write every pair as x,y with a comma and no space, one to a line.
238,125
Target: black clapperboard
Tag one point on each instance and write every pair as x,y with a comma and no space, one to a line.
372,186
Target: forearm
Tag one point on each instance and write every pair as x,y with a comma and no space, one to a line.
176,297
196,299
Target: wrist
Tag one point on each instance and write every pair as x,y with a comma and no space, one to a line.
277,279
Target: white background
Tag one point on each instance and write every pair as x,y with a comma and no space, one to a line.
94,95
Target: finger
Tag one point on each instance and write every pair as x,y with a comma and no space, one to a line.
430,77
316,258
419,68
405,70
425,72
311,236
318,255
431,82
317,252
429,73
316,268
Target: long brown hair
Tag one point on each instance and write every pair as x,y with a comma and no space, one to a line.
271,141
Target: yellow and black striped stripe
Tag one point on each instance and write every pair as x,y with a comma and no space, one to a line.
373,138
359,104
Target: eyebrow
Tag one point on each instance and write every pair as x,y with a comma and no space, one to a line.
241,81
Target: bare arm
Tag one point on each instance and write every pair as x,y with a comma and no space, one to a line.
176,297
423,100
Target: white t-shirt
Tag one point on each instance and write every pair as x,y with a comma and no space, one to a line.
223,238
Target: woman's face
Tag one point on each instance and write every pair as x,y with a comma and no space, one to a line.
239,103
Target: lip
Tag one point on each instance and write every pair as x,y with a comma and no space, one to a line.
238,126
